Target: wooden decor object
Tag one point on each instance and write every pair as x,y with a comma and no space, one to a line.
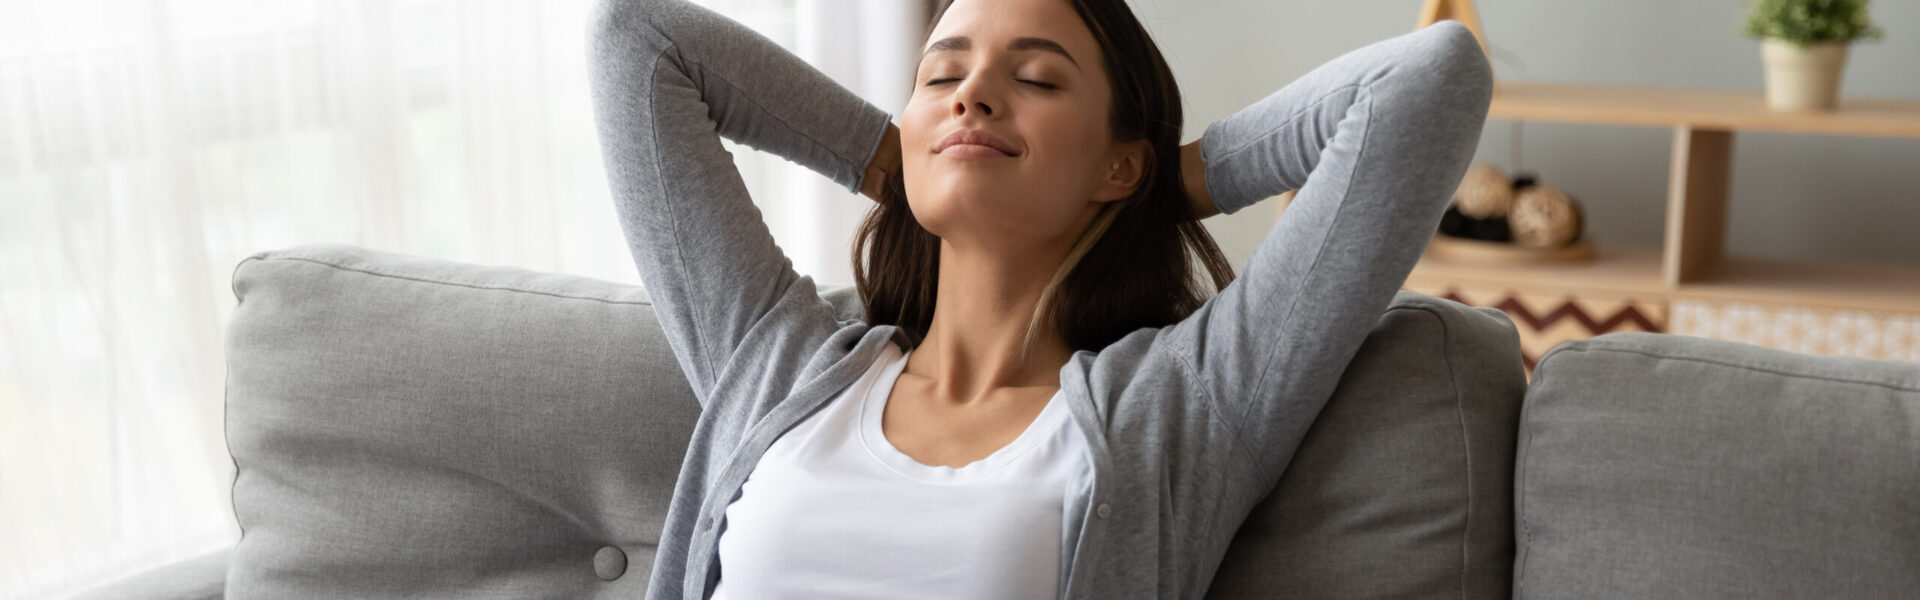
1459,10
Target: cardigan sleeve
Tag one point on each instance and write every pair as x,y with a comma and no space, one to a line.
670,80
1375,141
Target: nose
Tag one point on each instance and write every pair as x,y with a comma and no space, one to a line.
960,108
971,97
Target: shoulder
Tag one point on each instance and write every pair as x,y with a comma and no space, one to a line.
1142,363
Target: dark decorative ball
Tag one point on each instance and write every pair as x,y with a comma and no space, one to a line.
1456,224
1524,180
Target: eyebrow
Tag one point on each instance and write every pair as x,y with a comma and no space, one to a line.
956,44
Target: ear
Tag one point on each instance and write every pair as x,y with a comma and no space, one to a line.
1122,170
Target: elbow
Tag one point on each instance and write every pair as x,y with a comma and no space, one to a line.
615,26
604,23
1440,79
1453,68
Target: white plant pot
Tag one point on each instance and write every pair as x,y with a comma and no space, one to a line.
1803,79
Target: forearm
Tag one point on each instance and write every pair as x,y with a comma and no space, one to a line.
668,80
765,97
1375,141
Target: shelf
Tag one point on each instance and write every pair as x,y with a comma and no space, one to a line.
1636,288
1613,272
1831,284
1691,262
1707,110
1635,272
1704,124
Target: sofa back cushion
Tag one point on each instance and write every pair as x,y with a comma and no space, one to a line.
408,428
1403,486
1659,466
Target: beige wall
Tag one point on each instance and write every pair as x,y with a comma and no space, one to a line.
1793,195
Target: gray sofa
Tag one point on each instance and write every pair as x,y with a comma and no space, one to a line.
404,427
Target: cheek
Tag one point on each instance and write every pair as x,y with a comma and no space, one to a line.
1068,157
919,125
917,122
1067,143
917,129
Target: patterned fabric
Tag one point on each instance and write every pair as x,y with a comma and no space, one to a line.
1545,321
1807,330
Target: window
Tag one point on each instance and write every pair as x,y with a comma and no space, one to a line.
147,147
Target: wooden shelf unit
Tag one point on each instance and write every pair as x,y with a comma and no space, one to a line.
1704,110
1692,265
1693,259
1635,272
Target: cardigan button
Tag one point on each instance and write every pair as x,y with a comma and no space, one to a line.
1104,510
609,563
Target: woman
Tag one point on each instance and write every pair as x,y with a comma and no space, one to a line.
1040,401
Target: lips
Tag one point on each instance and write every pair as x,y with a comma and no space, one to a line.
975,137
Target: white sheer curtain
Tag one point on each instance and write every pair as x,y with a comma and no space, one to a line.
816,222
148,146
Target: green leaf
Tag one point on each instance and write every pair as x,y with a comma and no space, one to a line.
1807,22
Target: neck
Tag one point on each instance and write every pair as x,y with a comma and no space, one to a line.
977,342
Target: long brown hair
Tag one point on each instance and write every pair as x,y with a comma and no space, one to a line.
1134,266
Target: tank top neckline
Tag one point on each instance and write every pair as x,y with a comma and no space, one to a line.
873,406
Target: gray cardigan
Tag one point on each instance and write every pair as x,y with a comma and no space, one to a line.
1188,426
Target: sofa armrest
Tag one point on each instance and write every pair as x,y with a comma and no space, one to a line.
202,577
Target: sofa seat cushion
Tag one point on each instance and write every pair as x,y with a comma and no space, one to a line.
1661,466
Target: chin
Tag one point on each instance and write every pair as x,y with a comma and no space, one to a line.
970,220
949,201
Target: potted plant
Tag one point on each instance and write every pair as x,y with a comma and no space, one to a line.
1804,45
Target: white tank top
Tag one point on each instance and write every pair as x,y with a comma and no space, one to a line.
833,510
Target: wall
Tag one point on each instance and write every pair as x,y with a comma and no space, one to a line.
1793,195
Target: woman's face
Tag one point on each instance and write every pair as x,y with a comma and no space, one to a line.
1026,77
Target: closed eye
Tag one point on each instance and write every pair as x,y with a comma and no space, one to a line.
1039,84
